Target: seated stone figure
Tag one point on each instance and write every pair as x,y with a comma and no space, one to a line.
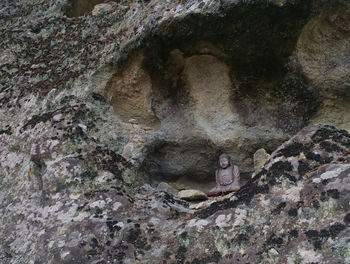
227,177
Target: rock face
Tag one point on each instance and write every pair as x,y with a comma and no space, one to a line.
295,209
200,78
92,107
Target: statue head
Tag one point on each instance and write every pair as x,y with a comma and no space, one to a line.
224,161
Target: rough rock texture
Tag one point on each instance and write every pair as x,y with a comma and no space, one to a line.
71,153
296,210
260,158
129,92
323,54
187,80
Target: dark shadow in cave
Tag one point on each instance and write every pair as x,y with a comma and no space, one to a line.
189,164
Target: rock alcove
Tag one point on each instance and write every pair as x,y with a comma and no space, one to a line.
66,156
211,84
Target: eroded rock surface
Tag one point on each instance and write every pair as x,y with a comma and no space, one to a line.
129,92
73,158
260,158
321,51
295,209
199,77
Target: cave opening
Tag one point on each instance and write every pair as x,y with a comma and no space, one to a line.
218,84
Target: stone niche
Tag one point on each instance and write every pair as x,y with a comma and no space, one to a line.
207,85
129,91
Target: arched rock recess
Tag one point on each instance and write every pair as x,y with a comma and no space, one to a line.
211,84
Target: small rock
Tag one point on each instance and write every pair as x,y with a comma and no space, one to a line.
164,187
192,195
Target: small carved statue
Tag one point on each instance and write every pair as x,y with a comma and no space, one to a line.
227,177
